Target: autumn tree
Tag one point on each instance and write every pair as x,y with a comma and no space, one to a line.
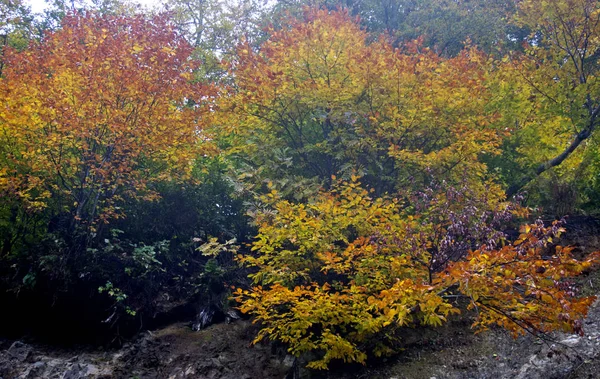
342,263
318,100
557,81
108,181
97,111
55,10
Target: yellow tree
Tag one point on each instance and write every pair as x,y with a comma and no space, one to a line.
340,275
558,81
318,100
97,111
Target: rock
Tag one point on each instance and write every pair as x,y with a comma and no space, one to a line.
220,352
289,361
75,372
296,367
19,351
573,340
225,359
190,371
213,374
36,370
73,359
562,358
207,315
216,363
232,315
84,370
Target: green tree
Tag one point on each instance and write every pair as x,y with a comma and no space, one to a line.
16,23
444,25
215,27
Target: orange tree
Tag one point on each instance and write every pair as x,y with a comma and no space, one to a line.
340,265
95,112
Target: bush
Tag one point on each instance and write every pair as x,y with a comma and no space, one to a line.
338,276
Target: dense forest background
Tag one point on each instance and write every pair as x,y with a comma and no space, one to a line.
337,170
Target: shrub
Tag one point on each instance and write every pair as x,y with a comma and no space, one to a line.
339,275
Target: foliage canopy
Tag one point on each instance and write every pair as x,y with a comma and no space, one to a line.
372,145
96,111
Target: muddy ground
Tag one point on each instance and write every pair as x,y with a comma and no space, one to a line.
224,351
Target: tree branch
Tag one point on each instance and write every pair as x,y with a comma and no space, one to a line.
579,138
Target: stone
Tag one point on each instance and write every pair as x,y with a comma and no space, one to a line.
288,361
19,351
74,372
36,370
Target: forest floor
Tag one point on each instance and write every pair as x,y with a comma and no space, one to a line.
224,351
